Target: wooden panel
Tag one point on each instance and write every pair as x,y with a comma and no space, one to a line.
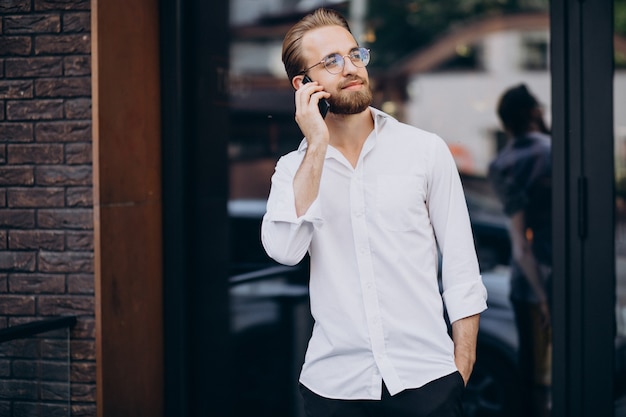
127,207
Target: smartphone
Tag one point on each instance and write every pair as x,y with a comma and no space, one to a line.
323,104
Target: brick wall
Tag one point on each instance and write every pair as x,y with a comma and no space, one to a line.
46,224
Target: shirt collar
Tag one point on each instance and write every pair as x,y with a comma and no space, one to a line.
380,117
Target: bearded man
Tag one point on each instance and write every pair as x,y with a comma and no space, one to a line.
373,202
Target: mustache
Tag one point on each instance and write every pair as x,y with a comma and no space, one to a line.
351,80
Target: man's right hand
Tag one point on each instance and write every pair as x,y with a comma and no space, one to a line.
308,116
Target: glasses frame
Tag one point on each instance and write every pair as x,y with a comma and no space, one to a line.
343,57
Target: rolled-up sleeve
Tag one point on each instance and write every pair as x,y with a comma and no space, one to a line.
285,236
464,293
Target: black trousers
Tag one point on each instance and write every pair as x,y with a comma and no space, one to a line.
439,398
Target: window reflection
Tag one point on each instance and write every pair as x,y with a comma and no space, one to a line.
444,75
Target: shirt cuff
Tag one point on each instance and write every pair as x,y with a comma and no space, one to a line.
465,300
285,211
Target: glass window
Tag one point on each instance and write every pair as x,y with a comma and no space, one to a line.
441,66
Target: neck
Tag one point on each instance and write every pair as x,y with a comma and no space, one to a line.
349,130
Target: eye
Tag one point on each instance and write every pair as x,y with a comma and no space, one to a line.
356,54
333,61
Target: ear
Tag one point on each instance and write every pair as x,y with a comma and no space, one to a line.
296,81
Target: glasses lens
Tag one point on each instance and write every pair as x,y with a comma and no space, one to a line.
334,63
360,57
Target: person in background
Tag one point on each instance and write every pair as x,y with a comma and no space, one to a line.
372,200
521,176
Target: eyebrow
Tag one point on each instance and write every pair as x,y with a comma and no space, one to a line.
339,53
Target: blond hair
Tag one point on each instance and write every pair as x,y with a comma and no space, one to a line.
292,51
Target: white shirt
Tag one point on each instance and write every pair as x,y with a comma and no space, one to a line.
372,236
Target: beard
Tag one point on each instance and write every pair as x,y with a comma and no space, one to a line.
351,102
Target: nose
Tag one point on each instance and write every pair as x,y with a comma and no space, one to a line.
348,66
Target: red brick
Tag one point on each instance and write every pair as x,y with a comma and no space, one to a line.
36,197
3,197
48,305
16,46
63,87
35,154
17,261
36,239
33,67
53,346
16,132
62,5
69,262
15,321
16,89
79,241
39,23
17,175
63,132
85,328
5,372
64,175
4,242
21,390
37,283
79,108
76,22
83,350
77,219
82,372
14,6
62,44
78,153
34,109
54,371
3,154
77,65
40,408
17,219
83,393
13,305
83,410
79,197
80,284
4,287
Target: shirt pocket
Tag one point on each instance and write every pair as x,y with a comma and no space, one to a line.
399,201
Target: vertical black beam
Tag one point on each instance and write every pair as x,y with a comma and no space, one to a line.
175,243
562,139
598,287
584,256
194,39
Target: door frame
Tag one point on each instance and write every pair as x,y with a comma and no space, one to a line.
583,207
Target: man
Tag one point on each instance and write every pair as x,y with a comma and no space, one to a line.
371,200
521,176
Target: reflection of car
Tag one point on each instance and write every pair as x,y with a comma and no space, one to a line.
270,321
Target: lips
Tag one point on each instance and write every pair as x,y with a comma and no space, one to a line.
352,84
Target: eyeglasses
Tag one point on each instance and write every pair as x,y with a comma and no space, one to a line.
334,63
